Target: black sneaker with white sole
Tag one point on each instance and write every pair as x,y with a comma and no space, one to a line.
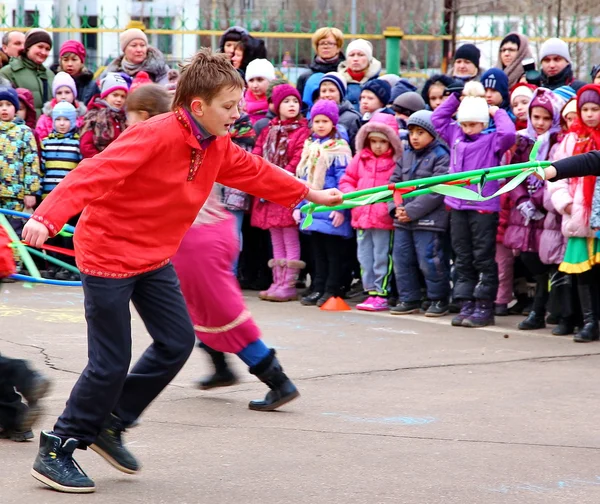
55,466
109,445
438,308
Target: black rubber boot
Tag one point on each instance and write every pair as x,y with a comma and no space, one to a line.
565,327
282,391
589,332
223,376
533,321
109,445
54,465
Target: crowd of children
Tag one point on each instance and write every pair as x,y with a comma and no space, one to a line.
429,253
531,251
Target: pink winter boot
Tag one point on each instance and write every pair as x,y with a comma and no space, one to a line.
287,288
277,271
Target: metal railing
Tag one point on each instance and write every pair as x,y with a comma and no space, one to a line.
414,49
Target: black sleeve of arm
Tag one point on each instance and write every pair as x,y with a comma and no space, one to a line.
578,166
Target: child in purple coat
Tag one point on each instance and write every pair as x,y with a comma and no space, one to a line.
474,224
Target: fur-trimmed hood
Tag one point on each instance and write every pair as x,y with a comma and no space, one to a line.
80,108
372,72
381,123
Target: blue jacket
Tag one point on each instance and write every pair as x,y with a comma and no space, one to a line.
321,221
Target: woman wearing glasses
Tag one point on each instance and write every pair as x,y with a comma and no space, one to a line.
514,48
327,43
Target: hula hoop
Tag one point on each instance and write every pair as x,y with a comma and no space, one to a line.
23,253
59,250
64,283
54,260
13,213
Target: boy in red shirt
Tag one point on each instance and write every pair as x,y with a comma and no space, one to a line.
139,197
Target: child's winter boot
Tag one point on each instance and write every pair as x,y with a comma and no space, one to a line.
287,288
277,271
482,316
466,310
589,332
282,391
223,375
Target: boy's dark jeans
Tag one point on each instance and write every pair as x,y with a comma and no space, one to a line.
105,386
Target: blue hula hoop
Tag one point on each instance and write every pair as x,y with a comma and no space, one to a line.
13,213
64,283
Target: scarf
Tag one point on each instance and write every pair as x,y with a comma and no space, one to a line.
514,71
256,107
154,65
330,61
275,149
242,133
318,156
563,78
357,76
101,122
588,139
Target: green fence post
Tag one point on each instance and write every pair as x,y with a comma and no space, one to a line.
393,35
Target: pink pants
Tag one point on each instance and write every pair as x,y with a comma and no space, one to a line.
286,243
212,294
506,261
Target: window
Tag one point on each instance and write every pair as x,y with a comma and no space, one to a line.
29,18
89,40
247,5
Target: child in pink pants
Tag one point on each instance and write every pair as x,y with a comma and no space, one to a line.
214,300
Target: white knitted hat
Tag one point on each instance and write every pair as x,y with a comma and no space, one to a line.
473,107
362,45
260,68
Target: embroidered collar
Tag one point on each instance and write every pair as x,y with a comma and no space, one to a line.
204,138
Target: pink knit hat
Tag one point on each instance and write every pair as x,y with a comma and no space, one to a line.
328,108
75,47
63,79
281,92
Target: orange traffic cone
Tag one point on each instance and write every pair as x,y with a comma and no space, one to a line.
335,304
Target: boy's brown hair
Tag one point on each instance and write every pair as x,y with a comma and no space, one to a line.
151,98
204,76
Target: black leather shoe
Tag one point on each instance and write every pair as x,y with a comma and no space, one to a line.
311,299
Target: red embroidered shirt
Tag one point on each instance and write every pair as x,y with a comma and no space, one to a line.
142,193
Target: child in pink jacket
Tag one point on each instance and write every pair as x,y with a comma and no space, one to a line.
281,143
378,148
63,89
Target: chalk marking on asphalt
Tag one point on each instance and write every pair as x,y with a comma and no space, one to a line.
391,330
73,316
401,420
545,487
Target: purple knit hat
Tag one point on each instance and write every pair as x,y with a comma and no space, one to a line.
588,96
281,92
328,108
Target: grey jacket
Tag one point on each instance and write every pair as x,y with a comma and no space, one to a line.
427,212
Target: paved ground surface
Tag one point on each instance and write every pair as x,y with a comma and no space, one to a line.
393,410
